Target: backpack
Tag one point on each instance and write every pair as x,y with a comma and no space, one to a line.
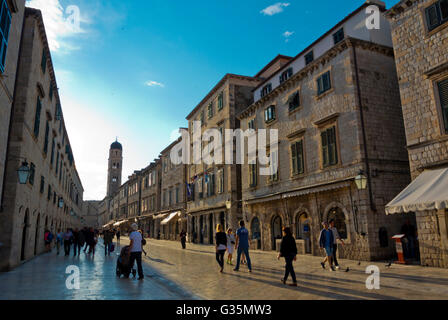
50,236
143,242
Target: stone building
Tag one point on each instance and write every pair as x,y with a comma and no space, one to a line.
11,14
171,217
420,38
335,107
90,214
52,197
215,194
151,191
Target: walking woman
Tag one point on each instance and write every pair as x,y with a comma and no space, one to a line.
288,250
230,245
221,245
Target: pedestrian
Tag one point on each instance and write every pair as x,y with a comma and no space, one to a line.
336,237
326,241
48,238
242,246
93,236
221,245
135,251
59,240
118,236
288,250
107,238
143,242
183,239
81,240
75,241
230,245
68,238
409,240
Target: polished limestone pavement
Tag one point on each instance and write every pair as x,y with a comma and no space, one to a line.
44,278
196,270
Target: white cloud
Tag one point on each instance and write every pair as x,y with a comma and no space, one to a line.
275,8
60,23
287,34
154,84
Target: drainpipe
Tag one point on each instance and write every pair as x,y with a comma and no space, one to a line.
364,139
12,112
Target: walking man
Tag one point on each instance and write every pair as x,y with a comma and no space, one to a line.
107,237
242,246
59,239
136,250
183,239
326,241
288,250
336,237
68,237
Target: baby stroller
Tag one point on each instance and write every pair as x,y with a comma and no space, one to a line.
123,267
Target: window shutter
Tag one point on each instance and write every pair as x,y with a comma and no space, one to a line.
443,10
37,118
300,163
326,81
324,148
443,92
432,16
294,158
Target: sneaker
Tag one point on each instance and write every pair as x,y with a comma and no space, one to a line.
323,265
337,268
283,280
332,268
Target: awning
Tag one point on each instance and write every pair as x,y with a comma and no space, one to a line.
428,192
108,224
116,224
171,217
160,216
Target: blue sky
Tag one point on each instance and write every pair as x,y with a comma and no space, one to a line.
136,68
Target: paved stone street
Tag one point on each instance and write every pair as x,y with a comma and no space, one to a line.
196,270
44,278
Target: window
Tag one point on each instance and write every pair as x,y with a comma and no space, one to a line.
177,195
338,36
437,14
323,83
211,184
42,184
200,189
294,101
49,193
37,118
273,166
221,181
269,114
210,110
47,132
251,124
266,90
202,117
53,143
170,197
297,160
32,173
50,91
252,175
443,92
329,148
5,24
285,75
309,57
221,101
43,63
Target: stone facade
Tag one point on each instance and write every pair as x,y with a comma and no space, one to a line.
53,196
216,184
363,99
7,81
421,56
151,199
90,214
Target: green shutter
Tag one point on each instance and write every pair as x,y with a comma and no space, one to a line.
443,93
294,158
324,148
300,162
37,118
47,131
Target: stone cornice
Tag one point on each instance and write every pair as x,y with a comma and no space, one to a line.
314,66
399,8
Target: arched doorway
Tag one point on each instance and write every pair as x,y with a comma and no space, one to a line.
276,231
303,230
210,229
338,216
255,231
24,235
37,235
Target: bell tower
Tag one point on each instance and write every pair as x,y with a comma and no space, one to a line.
115,168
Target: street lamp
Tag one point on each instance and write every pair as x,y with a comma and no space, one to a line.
23,173
228,204
361,181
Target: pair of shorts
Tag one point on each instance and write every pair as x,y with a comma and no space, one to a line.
329,251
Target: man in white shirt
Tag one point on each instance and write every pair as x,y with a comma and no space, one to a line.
336,236
136,250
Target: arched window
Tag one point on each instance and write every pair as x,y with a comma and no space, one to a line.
302,225
338,216
255,229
